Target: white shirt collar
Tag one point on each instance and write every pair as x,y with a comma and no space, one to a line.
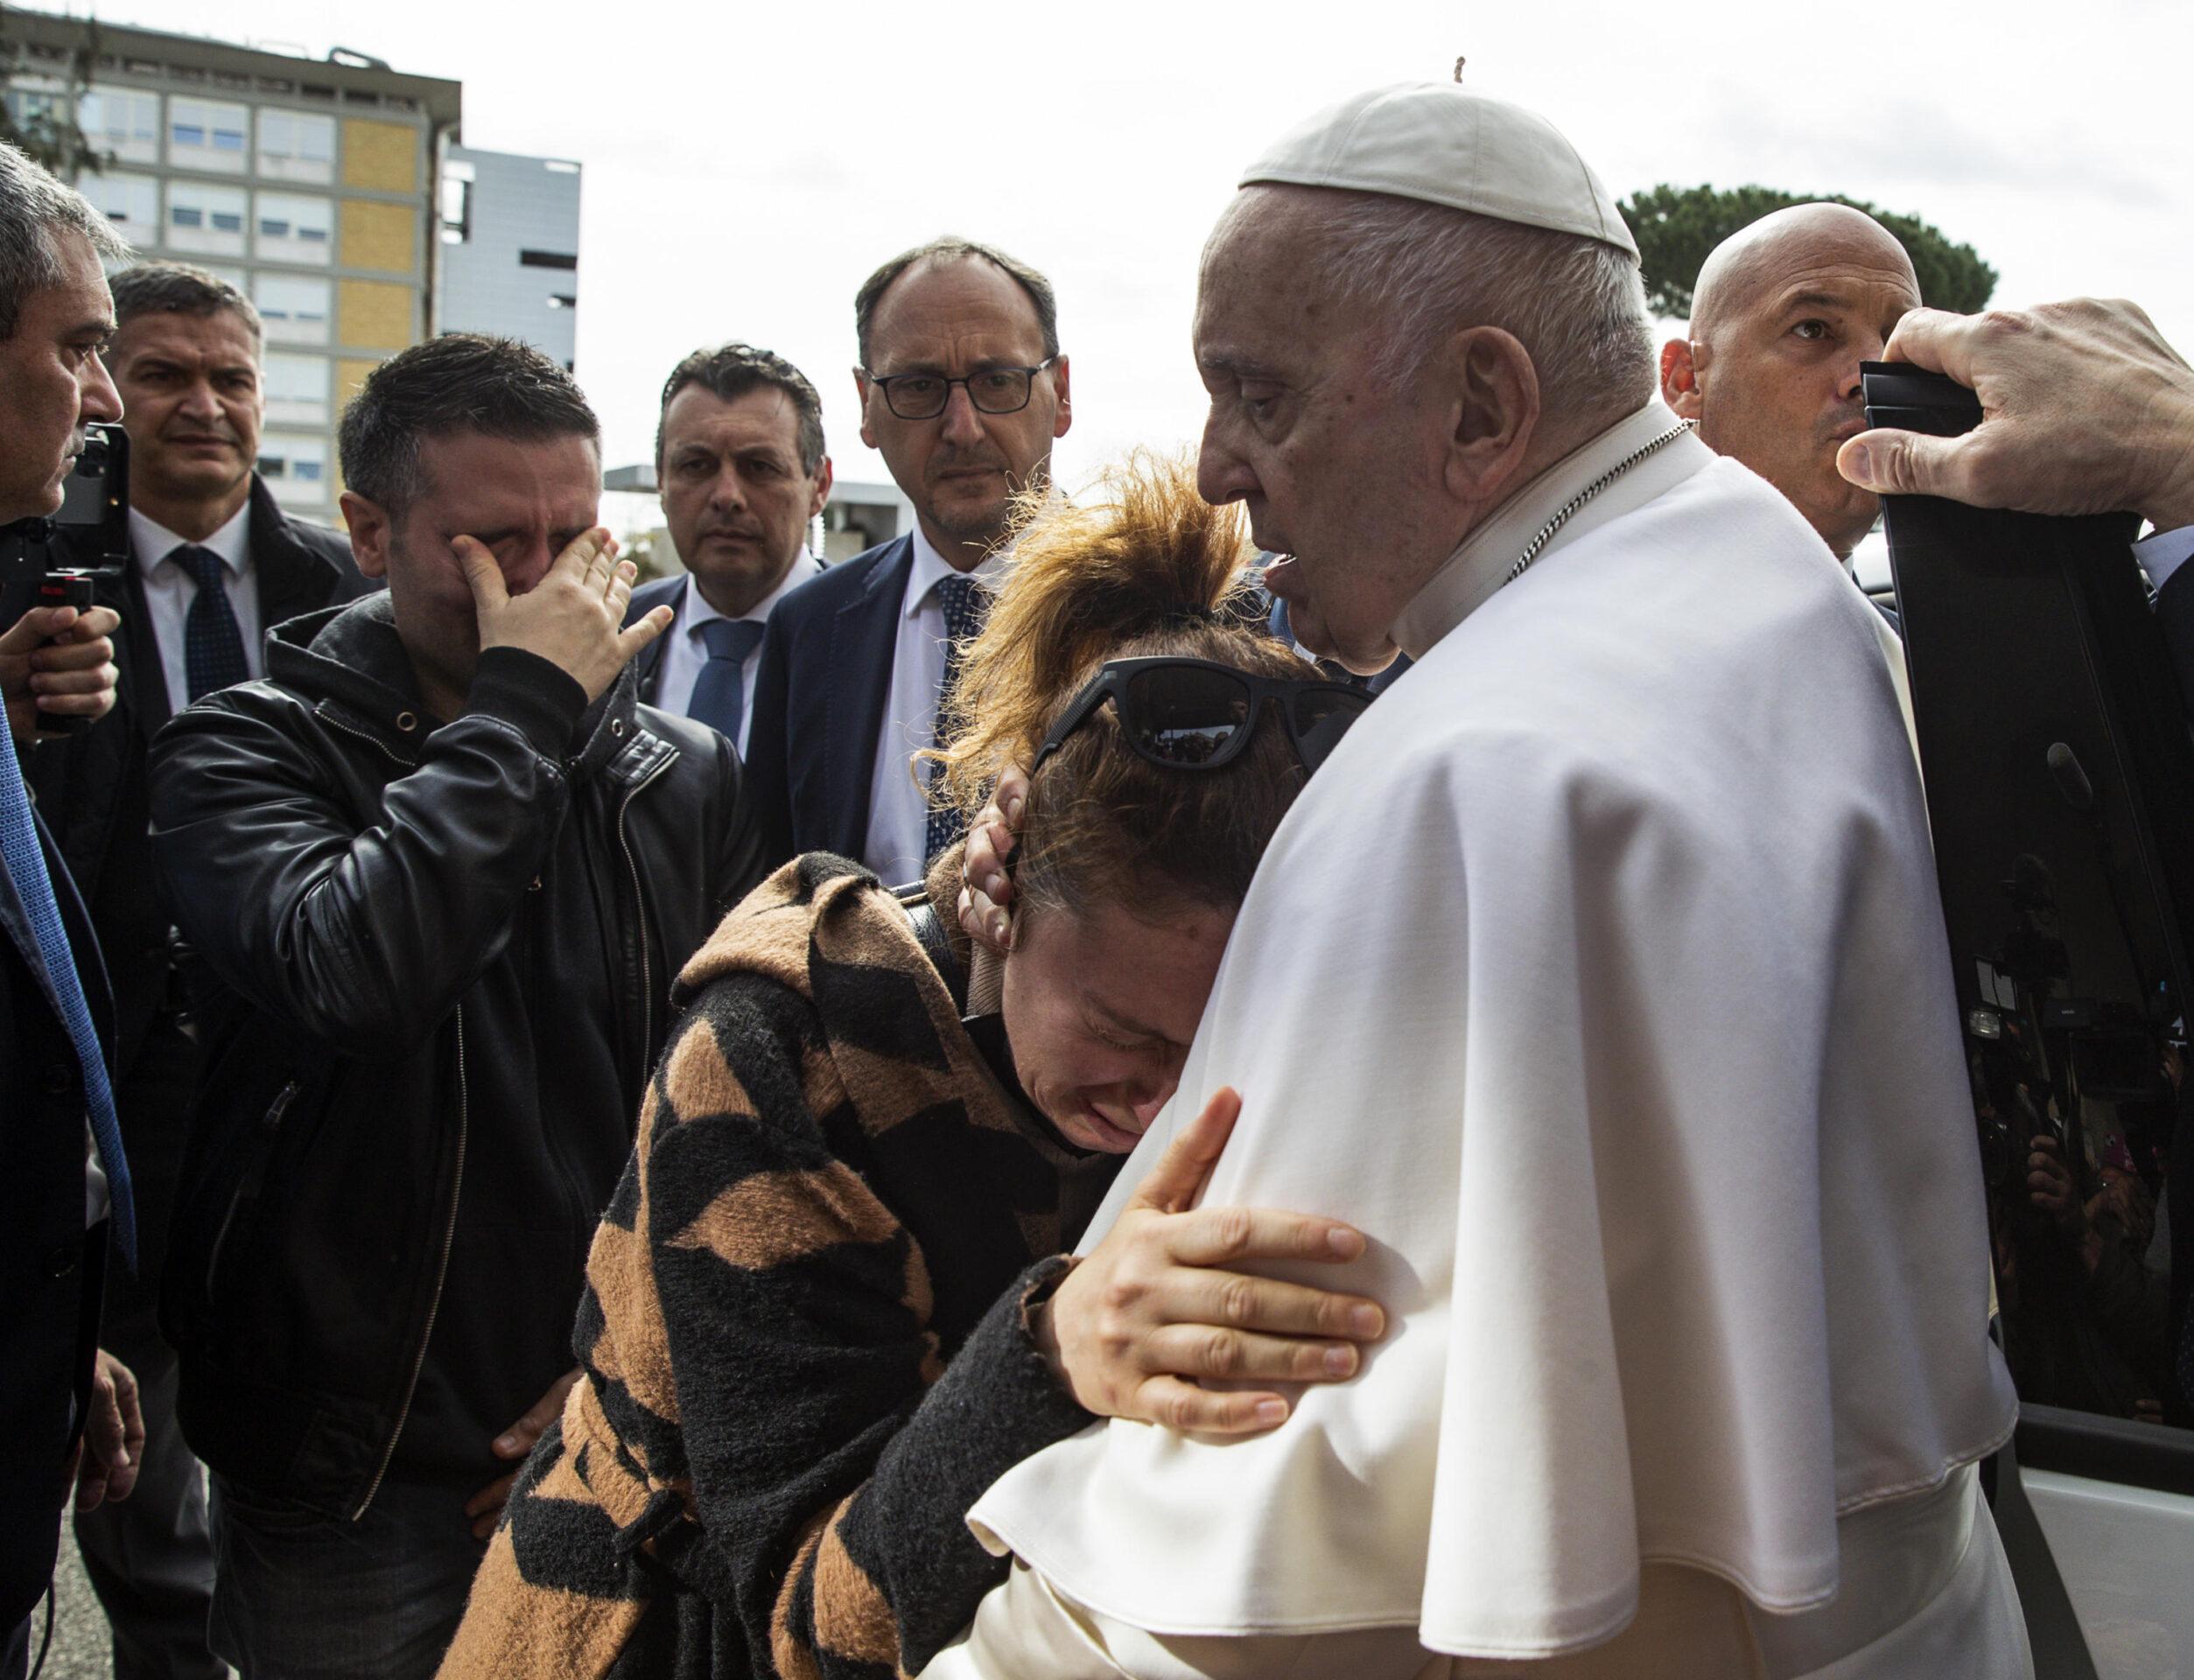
152,541
694,609
1481,565
931,568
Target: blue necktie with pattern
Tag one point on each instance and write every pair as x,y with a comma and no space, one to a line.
719,693
34,891
966,604
213,643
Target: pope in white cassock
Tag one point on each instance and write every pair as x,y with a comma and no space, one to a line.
1599,978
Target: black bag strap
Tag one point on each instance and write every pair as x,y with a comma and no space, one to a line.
2052,1628
929,930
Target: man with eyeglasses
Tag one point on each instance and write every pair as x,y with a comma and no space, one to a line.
962,388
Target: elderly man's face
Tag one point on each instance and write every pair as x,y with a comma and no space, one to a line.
53,380
1771,372
1338,467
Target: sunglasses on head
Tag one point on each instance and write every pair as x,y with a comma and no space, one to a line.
1197,714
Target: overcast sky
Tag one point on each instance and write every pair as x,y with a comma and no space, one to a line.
748,165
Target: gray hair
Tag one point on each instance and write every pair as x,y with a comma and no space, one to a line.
34,208
459,382
178,288
730,371
951,249
1576,304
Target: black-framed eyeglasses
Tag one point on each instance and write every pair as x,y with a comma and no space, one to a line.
1197,714
993,390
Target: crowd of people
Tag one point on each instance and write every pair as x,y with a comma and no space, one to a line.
1337,1059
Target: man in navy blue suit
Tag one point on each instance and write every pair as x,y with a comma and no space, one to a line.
741,470
962,388
67,1412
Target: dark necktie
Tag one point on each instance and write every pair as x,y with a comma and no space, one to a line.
34,891
213,643
719,693
966,604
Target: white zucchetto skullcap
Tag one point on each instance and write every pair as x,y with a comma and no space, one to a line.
1441,143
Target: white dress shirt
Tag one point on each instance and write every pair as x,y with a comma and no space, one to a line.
684,652
169,591
898,795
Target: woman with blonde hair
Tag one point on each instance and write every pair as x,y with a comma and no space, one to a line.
830,1302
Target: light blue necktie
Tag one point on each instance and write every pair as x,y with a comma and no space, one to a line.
719,693
34,890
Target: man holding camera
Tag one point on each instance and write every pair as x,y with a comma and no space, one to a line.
441,866
214,563
69,1412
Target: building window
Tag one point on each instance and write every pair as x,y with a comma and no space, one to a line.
295,468
293,228
122,121
293,307
205,219
547,260
457,202
208,134
296,388
131,202
297,146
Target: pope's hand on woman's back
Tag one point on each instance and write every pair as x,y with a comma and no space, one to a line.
1154,1307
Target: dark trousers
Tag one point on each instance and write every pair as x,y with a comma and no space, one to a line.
150,1557
305,1597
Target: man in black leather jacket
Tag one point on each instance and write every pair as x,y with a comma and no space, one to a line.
186,360
439,867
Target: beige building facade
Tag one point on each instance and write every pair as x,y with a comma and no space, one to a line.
309,184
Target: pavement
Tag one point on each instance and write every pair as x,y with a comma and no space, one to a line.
81,1648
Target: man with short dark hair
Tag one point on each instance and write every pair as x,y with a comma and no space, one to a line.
440,867
963,389
741,471
215,562
69,1412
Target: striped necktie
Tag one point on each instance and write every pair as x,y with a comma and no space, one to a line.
966,604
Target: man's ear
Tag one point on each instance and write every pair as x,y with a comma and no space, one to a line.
370,534
1494,409
860,392
1682,362
822,497
1065,416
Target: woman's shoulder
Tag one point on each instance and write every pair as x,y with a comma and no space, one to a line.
818,908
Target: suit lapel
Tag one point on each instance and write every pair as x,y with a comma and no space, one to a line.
142,688
648,667
290,578
864,642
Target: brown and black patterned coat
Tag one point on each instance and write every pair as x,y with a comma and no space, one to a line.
803,1339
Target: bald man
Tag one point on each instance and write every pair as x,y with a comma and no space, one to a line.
1784,312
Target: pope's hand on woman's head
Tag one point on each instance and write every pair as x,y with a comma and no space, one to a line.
1153,1308
986,893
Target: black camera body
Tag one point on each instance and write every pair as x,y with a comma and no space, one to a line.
63,561
2060,791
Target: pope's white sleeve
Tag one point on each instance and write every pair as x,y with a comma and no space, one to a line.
1028,1627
